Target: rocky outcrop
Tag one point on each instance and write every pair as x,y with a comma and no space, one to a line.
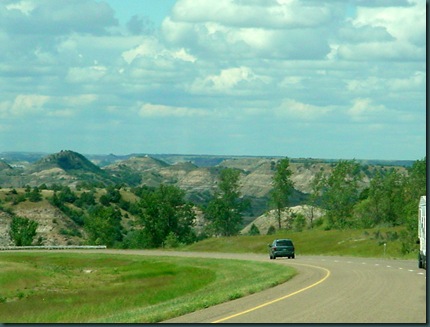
268,219
5,220
52,223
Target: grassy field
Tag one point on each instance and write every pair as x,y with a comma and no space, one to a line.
72,288
359,243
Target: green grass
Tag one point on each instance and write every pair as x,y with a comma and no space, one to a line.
359,243
73,288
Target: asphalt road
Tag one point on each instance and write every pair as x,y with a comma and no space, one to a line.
326,290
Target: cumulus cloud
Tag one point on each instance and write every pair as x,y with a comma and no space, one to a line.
266,14
25,7
415,82
403,23
381,51
31,105
385,33
27,104
150,48
228,81
302,111
56,17
352,33
365,110
245,29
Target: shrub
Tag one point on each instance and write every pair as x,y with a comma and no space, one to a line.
171,241
299,222
254,230
22,231
271,230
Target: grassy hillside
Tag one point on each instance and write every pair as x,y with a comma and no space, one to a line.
359,243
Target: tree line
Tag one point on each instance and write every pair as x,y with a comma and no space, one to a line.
166,218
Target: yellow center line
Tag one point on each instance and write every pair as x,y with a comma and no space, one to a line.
278,299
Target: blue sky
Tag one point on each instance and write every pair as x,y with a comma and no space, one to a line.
155,10
328,79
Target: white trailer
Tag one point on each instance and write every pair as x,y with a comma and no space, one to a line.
422,233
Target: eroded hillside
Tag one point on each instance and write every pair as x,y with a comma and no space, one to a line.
71,169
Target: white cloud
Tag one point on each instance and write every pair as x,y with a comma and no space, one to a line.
302,111
366,86
267,14
86,74
183,55
363,109
385,33
227,81
415,82
58,17
27,104
152,49
26,7
292,81
356,33
406,24
246,29
148,47
158,110
371,51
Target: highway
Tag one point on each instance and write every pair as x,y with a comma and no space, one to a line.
326,290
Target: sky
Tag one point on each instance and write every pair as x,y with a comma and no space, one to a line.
333,79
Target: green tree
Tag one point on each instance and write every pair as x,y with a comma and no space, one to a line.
314,197
86,199
103,226
271,230
22,231
415,186
340,193
224,211
163,212
384,200
66,195
254,230
299,222
282,188
35,195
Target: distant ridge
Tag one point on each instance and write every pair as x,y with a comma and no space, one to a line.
138,163
68,161
101,160
5,166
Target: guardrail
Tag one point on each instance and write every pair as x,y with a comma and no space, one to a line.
53,247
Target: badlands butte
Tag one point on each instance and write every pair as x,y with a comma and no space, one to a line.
197,175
